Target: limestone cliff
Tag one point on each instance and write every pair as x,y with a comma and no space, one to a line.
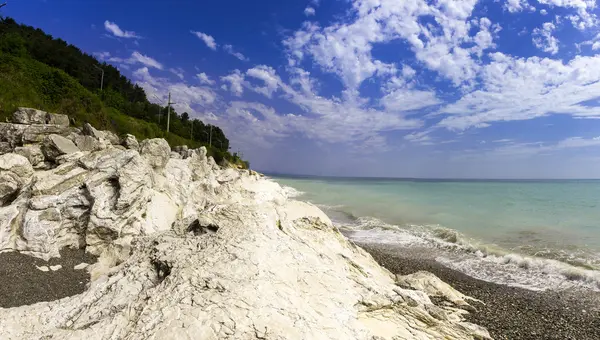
189,250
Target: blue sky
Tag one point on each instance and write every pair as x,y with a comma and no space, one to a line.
475,89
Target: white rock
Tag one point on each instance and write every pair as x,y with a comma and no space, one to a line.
15,172
58,119
130,142
81,266
25,115
5,147
55,268
156,151
89,130
190,250
87,143
55,146
33,153
43,268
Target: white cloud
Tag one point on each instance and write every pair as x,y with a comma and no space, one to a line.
345,48
543,12
595,42
268,76
517,6
544,40
208,40
308,11
191,99
229,49
235,80
205,79
521,150
178,72
102,55
407,100
137,57
526,88
114,29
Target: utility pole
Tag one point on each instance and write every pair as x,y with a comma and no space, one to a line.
169,112
100,68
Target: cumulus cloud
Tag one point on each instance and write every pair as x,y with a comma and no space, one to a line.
517,6
229,49
195,100
526,88
101,55
204,79
268,76
345,48
542,38
235,81
309,11
208,40
115,30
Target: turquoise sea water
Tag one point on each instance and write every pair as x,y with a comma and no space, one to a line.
537,234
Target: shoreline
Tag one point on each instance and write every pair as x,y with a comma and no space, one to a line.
509,312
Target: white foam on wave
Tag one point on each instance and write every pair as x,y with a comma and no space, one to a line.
292,192
477,260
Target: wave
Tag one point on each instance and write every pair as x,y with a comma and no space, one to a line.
482,261
292,192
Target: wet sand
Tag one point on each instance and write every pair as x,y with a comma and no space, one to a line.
509,312
24,284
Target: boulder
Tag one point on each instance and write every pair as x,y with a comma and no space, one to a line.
5,147
33,153
130,142
29,116
184,151
111,137
25,115
55,146
12,134
37,133
58,119
156,151
88,143
89,130
15,172
175,155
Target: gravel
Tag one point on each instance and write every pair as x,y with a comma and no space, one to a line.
24,284
509,312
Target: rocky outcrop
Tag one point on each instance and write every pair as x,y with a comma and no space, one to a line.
25,115
191,250
156,151
88,143
55,146
33,153
130,142
15,172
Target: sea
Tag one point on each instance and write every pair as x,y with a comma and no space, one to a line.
534,234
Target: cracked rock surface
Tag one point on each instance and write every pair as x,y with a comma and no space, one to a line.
188,249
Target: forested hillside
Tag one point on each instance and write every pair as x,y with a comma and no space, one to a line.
40,71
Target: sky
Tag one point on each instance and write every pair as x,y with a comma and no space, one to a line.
388,88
